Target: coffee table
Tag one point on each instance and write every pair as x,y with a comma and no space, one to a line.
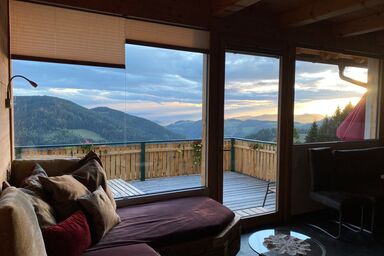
284,242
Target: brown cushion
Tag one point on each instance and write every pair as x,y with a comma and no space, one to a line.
101,213
167,222
53,167
64,191
88,157
19,230
126,250
92,175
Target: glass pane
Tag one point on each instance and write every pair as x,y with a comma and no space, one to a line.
330,107
144,121
250,130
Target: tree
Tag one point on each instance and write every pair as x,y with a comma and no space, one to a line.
313,133
296,135
347,109
264,135
326,131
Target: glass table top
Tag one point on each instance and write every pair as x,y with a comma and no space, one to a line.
282,242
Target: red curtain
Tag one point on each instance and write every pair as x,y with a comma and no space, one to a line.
352,128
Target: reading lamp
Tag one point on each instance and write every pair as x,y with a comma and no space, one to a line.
8,99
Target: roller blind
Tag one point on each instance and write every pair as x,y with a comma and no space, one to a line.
40,31
166,34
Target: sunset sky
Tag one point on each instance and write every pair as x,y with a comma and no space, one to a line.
166,85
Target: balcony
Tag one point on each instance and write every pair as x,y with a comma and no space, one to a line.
142,168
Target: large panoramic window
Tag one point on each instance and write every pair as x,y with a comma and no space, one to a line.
335,97
144,121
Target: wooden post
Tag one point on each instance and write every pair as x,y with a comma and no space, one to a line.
233,158
142,161
285,130
215,112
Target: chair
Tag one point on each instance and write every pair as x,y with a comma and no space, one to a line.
325,189
271,188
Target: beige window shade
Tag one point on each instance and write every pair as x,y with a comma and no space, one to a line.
165,34
40,31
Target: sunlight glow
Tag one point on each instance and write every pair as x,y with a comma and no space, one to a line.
323,107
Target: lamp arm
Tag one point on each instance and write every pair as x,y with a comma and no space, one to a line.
8,99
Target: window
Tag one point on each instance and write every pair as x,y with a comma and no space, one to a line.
335,97
145,121
250,130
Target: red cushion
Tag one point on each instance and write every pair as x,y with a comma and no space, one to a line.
167,222
70,237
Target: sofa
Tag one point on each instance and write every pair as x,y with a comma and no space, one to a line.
195,225
356,172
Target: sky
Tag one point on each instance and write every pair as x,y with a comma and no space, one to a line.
166,85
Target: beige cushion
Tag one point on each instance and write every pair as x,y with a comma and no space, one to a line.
102,214
44,212
64,190
92,175
20,234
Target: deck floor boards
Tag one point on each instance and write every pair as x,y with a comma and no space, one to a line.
242,194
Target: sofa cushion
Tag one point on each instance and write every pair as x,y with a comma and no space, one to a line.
19,229
92,175
88,157
101,213
70,237
126,250
44,212
64,191
53,167
166,222
32,181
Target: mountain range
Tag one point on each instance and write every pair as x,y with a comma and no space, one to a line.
45,120
233,127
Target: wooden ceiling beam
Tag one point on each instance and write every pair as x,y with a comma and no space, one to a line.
222,8
319,10
361,26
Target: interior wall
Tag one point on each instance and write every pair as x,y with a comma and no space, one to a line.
5,135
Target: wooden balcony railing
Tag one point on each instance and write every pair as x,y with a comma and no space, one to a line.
156,159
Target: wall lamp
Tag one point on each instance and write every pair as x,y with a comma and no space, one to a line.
8,99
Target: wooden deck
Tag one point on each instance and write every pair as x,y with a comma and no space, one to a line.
242,194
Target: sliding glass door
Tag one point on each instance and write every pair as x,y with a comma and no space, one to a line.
250,133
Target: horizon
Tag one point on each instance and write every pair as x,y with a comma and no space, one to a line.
265,117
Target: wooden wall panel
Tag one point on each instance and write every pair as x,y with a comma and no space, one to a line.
5,141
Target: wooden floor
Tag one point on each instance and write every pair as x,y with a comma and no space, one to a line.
242,194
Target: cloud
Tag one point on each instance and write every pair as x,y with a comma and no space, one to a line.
167,85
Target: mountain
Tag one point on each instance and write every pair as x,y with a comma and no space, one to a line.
304,118
190,129
42,120
232,127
